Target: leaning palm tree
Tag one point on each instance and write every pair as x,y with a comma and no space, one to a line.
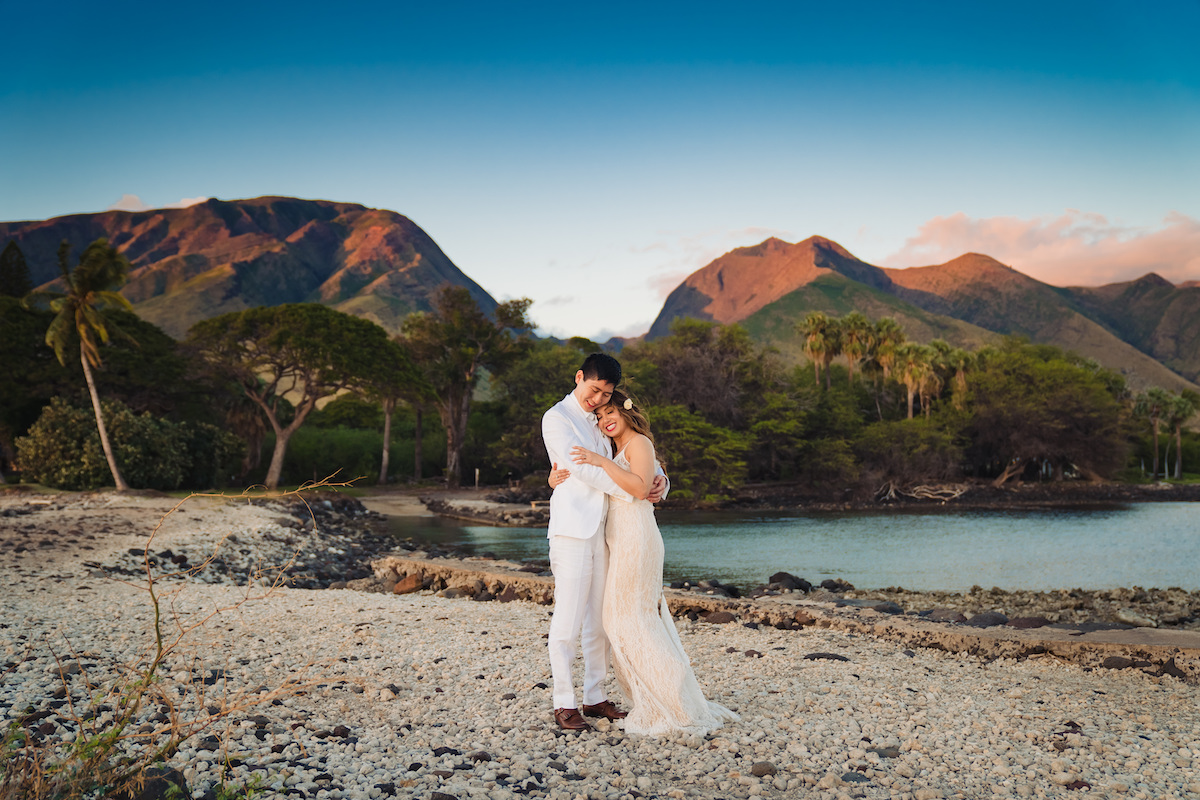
89,287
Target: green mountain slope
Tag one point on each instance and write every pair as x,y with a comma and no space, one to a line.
838,295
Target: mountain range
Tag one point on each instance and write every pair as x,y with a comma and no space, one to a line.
217,256
194,263
1148,329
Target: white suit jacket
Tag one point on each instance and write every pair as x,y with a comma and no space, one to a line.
579,505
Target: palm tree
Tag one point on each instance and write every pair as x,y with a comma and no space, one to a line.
914,364
1181,408
92,285
858,338
888,337
816,332
1153,404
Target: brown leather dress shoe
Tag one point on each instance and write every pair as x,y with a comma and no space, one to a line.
605,708
569,719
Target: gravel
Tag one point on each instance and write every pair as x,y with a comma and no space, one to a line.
422,696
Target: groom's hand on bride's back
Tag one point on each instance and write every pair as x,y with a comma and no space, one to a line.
657,488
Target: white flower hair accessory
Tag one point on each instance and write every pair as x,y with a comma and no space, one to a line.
628,404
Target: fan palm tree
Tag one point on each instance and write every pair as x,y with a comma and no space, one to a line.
1153,404
888,337
858,339
914,365
816,332
1181,408
89,287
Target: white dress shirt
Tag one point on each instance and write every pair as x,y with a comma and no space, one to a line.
580,503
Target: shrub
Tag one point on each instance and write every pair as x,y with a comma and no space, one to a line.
63,449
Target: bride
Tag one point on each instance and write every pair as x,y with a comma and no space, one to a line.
653,671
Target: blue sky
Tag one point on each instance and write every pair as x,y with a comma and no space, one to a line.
591,156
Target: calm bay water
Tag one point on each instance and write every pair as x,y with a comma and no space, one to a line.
1148,544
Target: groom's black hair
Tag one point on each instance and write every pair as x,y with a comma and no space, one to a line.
601,366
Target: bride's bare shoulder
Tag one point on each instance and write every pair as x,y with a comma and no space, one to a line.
643,444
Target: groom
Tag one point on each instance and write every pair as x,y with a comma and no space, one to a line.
578,557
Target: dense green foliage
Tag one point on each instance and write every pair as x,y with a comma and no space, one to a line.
14,272
726,412
62,449
307,350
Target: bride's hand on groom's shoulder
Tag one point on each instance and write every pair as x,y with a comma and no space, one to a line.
581,455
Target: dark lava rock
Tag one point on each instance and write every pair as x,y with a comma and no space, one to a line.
753,654
786,580
988,619
341,731
855,777
1116,662
558,765
825,656
885,752
508,696
944,615
508,595
481,755
887,608
445,751
1171,669
761,769
442,796
719,617
1024,623
837,585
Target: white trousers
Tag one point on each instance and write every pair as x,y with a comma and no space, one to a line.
580,567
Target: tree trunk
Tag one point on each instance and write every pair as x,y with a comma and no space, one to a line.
910,401
1179,451
417,448
1154,474
388,406
455,422
276,469
1014,467
282,436
118,480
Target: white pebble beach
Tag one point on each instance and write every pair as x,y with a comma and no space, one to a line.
415,695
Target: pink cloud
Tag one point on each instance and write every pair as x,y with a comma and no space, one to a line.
131,202
1073,249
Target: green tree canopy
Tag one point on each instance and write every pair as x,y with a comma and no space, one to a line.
1033,405
453,344
305,351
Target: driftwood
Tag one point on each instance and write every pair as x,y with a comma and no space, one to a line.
942,493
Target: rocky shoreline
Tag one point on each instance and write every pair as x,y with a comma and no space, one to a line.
420,695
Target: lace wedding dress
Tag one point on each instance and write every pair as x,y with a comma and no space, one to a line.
651,666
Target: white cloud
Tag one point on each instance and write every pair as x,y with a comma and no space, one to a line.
1073,249
186,202
128,202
